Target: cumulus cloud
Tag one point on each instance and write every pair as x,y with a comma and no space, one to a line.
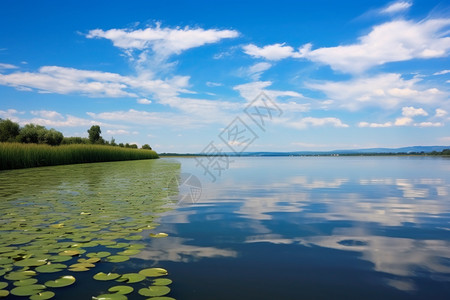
403,121
162,41
410,111
49,114
386,91
396,7
271,52
393,41
143,101
440,112
316,122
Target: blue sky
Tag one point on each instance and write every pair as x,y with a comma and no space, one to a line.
176,74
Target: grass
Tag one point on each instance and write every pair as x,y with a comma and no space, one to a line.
18,156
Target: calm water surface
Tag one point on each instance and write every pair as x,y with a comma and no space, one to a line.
313,228
271,228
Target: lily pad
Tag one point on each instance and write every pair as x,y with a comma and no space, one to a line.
59,258
30,262
51,268
3,285
131,278
129,252
154,291
23,282
4,293
61,282
103,276
101,254
91,260
121,289
159,235
118,258
111,297
28,290
19,275
161,281
43,295
70,252
154,272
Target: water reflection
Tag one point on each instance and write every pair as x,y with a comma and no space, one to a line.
390,213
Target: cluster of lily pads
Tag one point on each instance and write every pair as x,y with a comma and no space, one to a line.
58,222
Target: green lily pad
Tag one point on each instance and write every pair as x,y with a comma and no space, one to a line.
19,275
4,293
161,281
131,278
129,252
28,290
5,260
82,265
70,252
61,282
23,282
121,289
111,297
119,245
91,260
30,262
59,258
103,276
134,237
51,268
117,258
154,272
154,291
136,246
79,269
159,235
3,285
43,295
101,254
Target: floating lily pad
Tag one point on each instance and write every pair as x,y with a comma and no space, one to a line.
111,297
154,272
43,295
61,282
82,265
23,282
20,275
103,276
136,246
118,258
79,269
134,237
161,281
131,278
91,260
30,262
3,285
129,252
51,268
101,254
28,290
159,235
121,289
60,258
70,252
119,245
4,293
154,291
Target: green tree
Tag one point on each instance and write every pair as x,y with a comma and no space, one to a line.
134,146
38,134
94,134
8,130
146,146
53,137
113,142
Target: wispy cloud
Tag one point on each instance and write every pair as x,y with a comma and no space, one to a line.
7,66
271,52
396,7
316,122
255,71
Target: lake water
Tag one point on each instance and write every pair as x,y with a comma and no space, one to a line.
267,228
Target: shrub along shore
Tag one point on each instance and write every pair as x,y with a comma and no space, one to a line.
18,155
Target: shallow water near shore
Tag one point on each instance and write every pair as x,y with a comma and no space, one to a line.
267,228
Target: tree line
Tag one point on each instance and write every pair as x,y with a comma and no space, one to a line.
11,132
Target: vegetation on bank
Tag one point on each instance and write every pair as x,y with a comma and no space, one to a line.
17,155
36,146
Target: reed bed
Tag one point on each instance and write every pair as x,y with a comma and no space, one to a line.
17,155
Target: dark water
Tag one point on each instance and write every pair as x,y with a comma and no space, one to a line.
313,228
268,228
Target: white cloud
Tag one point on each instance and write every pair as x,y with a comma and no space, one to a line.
7,66
61,80
47,114
440,113
255,71
316,122
386,91
396,7
270,52
213,84
375,125
117,132
143,101
429,124
403,121
443,72
67,121
9,114
250,91
394,41
410,111
162,41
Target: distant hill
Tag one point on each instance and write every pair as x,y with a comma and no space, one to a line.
411,149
